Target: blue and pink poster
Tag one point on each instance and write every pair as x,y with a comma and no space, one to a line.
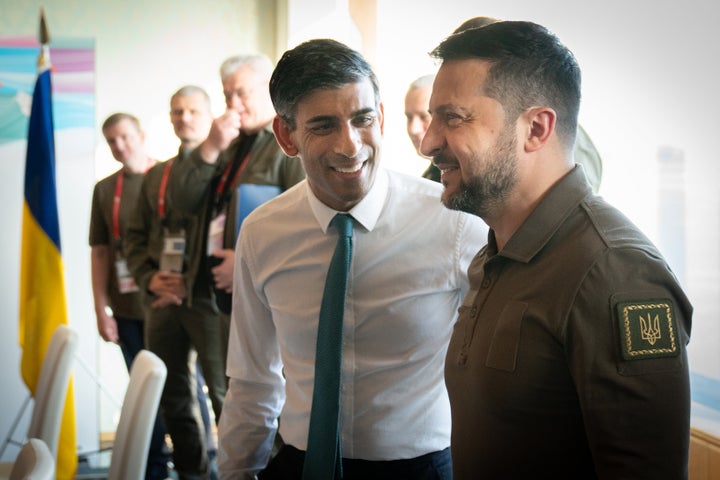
73,81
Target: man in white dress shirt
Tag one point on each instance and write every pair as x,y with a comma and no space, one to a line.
407,279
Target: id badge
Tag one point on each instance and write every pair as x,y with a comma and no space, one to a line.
126,283
216,233
171,258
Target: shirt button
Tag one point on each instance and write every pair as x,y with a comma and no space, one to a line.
462,358
486,282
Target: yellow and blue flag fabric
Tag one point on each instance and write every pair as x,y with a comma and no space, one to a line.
42,303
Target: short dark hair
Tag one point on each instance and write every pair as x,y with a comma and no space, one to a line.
118,117
258,63
529,67
187,90
320,64
475,22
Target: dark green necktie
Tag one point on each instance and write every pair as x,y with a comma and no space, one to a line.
323,458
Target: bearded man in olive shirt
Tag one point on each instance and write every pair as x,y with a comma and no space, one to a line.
568,359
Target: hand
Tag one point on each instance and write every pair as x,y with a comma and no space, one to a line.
168,287
165,299
107,327
223,273
223,131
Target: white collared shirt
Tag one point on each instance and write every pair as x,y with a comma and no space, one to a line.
406,282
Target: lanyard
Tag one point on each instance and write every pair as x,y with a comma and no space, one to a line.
223,179
116,205
163,188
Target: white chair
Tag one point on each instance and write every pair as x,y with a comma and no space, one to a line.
52,387
50,392
34,462
137,417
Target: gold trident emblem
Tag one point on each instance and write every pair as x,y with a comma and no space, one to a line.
650,329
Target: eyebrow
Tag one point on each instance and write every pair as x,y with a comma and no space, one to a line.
439,109
363,111
321,119
448,107
328,118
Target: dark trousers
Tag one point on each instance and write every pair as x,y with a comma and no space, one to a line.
288,465
130,332
204,412
182,336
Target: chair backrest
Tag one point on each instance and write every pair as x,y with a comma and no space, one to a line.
34,462
52,387
137,417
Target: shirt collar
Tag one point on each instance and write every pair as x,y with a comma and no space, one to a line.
365,213
548,216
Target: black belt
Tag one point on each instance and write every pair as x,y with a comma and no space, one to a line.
288,464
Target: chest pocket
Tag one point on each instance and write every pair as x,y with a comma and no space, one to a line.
502,354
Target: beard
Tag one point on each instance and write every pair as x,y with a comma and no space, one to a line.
485,193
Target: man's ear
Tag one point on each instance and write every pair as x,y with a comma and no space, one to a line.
381,117
283,136
540,122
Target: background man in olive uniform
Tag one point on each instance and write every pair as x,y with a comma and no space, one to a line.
239,156
568,359
417,118
182,318
118,302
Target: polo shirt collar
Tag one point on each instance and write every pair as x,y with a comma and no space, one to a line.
558,203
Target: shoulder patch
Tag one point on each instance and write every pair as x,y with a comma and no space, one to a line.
647,329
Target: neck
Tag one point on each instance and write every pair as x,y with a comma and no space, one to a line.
139,166
255,130
187,145
506,220
505,226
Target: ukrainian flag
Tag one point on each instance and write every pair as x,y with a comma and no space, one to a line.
42,286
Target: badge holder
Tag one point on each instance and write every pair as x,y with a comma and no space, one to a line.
126,283
171,258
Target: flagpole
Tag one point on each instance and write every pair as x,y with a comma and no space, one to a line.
44,37
43,304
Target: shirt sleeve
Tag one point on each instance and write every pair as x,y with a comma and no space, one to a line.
635,405
99,233
256,390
